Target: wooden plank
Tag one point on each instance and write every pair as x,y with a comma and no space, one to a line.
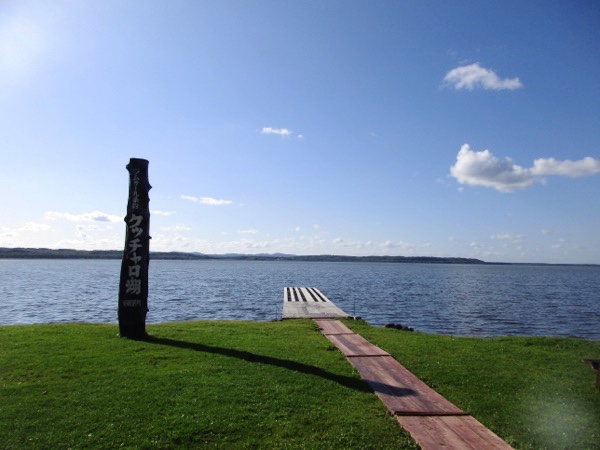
355,345
333,327
451,433
401,391
433,421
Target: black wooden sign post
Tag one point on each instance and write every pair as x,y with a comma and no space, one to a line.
133,286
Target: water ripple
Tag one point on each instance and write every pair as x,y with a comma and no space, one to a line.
449,299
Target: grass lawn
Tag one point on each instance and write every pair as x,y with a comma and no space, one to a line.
195,384
276,385
534,392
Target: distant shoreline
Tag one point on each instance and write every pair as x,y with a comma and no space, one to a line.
46,253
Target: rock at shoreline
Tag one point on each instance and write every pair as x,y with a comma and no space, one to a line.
398,326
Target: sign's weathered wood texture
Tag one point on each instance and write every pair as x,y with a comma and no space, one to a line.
133,286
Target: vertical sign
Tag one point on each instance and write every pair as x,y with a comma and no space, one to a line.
133,285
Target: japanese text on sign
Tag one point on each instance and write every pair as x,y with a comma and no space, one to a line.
133,285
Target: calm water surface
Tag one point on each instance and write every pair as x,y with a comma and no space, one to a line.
469,300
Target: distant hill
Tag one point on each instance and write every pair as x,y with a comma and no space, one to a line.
45,253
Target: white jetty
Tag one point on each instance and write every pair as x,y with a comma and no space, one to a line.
308,303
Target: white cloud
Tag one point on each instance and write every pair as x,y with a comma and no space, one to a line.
482,168
283,132
550,166
356,245
214,201
28,227
247,231
370,247
94,216
206,200
35,227
242,245
504,236
69,231
391,244
85,242
474,76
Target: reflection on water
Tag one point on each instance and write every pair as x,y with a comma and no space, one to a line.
477,300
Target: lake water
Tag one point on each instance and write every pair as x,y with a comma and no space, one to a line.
467,300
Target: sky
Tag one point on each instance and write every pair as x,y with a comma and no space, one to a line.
417,128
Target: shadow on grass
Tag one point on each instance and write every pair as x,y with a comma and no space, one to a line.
349,382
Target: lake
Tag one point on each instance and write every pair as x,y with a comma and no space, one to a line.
465,300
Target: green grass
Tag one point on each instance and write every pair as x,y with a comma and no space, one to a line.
195,384
535,392
276,385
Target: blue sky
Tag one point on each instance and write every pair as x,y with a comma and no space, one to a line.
426,128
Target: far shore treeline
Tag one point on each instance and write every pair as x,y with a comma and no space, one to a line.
46,253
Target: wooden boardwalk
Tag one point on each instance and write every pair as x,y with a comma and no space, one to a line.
433,422
308,303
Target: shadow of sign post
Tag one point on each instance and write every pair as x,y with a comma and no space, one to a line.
133,285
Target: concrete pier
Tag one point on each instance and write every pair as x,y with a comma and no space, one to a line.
308,303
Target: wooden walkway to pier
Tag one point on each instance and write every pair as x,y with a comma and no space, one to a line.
432,421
